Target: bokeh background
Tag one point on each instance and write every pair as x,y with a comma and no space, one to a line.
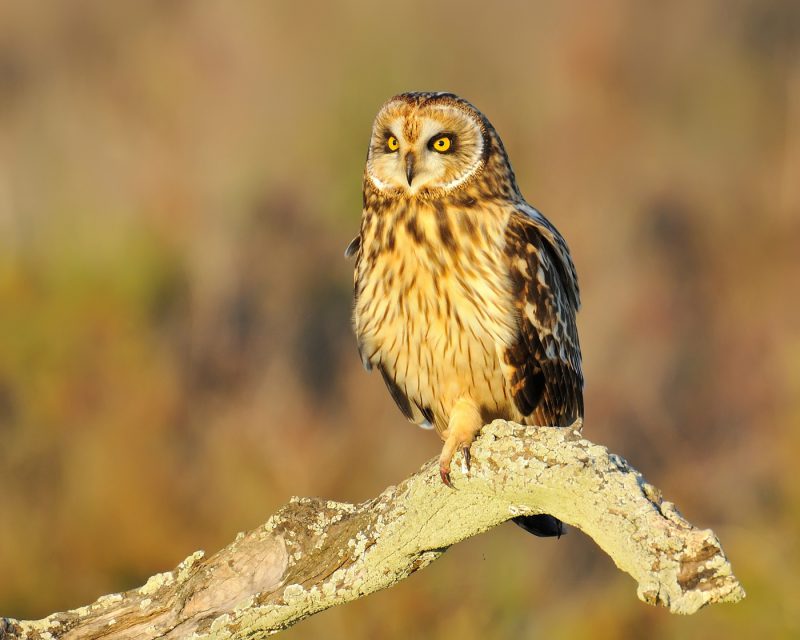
178,181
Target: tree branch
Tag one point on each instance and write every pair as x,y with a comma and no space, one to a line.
314,554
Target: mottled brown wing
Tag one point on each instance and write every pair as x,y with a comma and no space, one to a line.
545,359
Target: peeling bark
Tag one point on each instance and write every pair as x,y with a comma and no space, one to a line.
314,554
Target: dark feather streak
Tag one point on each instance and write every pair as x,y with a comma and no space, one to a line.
398,395
353,247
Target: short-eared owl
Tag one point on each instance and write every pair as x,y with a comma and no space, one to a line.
465,295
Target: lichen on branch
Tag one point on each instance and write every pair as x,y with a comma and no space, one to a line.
314,554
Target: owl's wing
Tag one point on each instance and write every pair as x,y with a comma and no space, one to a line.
413,411
544,361
353,247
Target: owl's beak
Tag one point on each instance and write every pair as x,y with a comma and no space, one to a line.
410,168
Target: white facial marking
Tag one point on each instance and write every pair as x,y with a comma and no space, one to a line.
477,161
387,171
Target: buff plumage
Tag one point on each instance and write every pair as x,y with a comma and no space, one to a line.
465,295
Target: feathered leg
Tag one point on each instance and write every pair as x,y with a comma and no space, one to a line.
465,423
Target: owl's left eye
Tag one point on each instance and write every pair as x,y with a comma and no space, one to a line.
392,144
442,144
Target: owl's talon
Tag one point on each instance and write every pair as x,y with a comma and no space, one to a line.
467,458
445,475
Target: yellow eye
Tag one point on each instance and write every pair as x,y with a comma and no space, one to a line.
442,144
392,144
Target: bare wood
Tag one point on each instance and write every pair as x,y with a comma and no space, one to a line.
314,554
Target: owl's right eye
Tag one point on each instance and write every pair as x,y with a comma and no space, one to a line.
392,144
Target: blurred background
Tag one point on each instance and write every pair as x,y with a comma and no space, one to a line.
178,181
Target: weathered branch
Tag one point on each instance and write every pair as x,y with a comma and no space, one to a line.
314,554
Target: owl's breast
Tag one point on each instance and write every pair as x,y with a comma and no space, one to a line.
433,304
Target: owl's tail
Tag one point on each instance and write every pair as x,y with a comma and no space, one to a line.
542,525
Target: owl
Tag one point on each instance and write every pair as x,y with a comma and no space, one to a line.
465,295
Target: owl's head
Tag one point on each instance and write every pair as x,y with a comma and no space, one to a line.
426,145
